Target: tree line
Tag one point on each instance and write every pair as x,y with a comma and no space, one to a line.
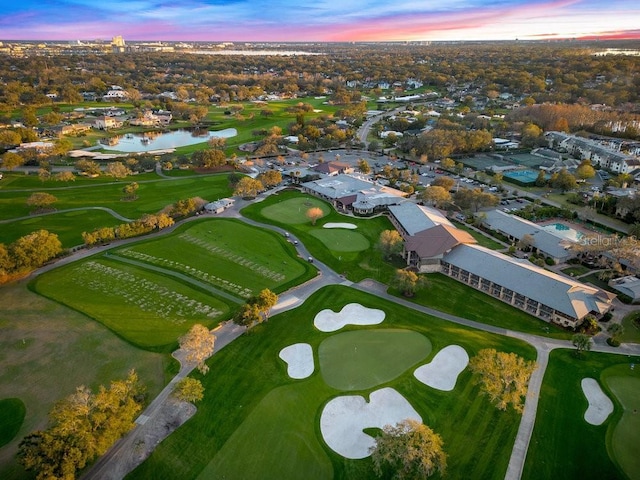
28,253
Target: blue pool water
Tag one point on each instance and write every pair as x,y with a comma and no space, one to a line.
564,231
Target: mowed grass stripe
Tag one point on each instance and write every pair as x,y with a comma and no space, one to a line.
144,308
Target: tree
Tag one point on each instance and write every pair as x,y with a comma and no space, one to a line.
130,191
363,166
189,390
502,376
564,181
408,282
526,242
198,345
445,182
474,199
65,176
117,170
390,243
82,426
270,178
615,330
183,208
582,343
585,171
448,164
34,250
248,187
88,167
248,315
265,301
314,213
409,450
11,161
435,195
41,200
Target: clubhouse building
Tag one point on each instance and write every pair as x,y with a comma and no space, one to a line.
351,193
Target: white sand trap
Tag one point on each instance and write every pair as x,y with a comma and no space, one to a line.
600,406
344,418
299,360
352,314
442,373
350,226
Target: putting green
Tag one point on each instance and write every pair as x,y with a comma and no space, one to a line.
626,433
367,358
339,240
12,411
294,210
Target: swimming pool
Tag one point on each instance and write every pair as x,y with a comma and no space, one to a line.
563,231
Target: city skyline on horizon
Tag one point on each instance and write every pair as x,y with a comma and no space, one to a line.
287,21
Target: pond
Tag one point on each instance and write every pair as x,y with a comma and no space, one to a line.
150,141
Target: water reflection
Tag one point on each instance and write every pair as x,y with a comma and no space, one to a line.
149,141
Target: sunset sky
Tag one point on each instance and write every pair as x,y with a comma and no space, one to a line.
318,20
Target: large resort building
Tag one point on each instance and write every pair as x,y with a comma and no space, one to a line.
433,244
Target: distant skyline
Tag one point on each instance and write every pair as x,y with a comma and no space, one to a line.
319,20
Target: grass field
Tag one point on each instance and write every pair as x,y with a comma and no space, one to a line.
153,195
367,358
294,210
12,411
563,444
151,292
47,350
631,324
446,294
254,416
364,264
626,432
341,240
227,254
67,225
147,309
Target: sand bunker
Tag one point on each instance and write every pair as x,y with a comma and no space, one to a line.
299,360
442,373
600,406
344,418
350,226
351,314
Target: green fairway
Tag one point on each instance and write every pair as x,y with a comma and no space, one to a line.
294,210
280,421
67,225
368,358
146,309
563,444
227,254
626,432
255,422
341,240
12,411
153,195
